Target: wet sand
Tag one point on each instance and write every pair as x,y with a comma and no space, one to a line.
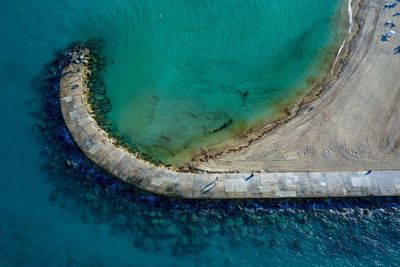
353,125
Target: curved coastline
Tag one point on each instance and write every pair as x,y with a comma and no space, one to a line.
290,111
220,133
103,150
352,125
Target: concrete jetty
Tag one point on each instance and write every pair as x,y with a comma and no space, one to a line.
96,144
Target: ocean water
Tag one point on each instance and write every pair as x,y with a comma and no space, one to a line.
185,76
57,209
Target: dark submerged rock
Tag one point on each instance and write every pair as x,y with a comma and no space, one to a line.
187,225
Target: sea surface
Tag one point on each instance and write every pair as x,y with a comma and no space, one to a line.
57,209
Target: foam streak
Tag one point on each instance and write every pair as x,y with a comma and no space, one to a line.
350,11
350,16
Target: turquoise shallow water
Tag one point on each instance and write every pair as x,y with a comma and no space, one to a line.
57,214
186,75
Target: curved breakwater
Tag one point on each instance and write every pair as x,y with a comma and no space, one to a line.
103,150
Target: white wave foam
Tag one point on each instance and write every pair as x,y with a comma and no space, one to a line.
337,55
350,16
350,11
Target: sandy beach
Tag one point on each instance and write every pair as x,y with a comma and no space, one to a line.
353,125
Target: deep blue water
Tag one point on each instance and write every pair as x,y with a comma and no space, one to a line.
55,212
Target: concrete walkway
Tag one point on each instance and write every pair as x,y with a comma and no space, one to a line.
102,150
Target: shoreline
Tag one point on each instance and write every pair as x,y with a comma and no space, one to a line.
284,111
335,147
291,108
326,81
